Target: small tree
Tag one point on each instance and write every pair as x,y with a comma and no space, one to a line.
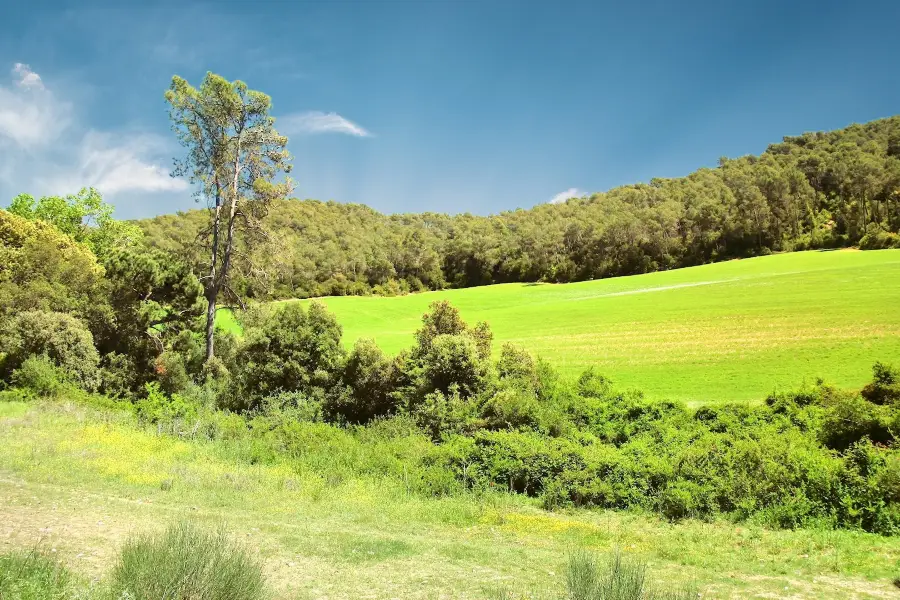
235,155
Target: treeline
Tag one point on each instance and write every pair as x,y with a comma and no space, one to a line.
817,190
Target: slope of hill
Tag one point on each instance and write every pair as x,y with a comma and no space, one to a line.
735,330
813,191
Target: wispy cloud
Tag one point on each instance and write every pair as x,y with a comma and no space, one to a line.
27,77
32,116
116,163
315,121
563,196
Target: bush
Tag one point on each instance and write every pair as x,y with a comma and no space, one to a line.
187,562
516,363
62,338
885,386
295,350
159,408
368,380
39,376
118,375
454,360
877,238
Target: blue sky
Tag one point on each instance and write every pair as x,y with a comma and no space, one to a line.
451,106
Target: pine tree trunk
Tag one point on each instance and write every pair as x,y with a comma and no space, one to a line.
210,326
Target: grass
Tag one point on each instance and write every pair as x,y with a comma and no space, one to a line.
31,575
83,481
730,331
187,561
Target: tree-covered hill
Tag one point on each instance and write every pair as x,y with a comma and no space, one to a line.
816,190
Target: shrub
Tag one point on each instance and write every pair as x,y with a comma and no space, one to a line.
33,576
877,238
885,386
454,360
593,385
440,414
516,363
171,372
39,376
850,418
118,375
368,380
512,408
295,350
62,338
157,407
187,562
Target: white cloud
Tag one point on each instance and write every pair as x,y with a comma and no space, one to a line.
315,121
563,196
27,77
31,116
117,163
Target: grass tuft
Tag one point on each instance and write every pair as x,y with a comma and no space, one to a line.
187,561
33,576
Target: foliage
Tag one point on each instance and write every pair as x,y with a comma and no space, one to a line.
187,561
295,350
368,378
589,577
817,190
40,376
83,216
158,407
885,386
43,269
63,339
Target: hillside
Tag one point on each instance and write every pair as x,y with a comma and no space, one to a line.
736,330
817,190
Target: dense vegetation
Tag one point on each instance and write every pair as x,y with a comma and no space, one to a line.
816,457
817,190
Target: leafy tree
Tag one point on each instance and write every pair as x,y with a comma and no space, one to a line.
295,350
235,155
369,380
62,338
816,190
84,217
153,297
43,269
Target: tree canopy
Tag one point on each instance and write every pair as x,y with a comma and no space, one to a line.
816,190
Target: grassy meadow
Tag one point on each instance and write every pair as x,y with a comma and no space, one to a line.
76,482
730,331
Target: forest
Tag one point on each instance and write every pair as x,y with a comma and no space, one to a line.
817,190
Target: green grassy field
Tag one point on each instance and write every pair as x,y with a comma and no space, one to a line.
76,482
730,331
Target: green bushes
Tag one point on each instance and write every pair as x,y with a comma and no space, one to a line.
295,350
187,562
369,380
815,457
39,376
62,338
